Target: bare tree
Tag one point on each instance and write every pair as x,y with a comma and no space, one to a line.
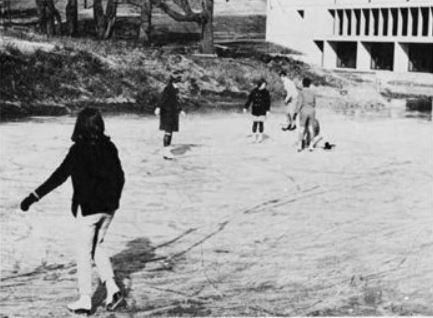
181,10
146,16
48,15
72,17
104,21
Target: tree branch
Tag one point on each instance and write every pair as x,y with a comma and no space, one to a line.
187,15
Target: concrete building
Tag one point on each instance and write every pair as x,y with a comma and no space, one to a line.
365,35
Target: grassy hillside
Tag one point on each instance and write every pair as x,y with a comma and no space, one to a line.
121,75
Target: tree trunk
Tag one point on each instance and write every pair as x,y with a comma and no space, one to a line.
72,17
204,18
207,40
48,14
145,33
104,22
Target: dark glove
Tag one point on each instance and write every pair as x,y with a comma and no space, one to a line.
28,201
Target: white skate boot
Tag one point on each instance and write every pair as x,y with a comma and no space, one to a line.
166,153
82,306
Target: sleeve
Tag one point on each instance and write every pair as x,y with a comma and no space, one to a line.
268,101
291,91
178,103
59,176
249,100
164,99
120,175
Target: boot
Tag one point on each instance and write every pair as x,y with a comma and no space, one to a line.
166,153
82,306
255,137
260,138
114,301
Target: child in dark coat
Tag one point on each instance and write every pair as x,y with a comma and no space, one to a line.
97,179
260,99
168,111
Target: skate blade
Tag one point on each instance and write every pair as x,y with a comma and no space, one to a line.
116,303
83,312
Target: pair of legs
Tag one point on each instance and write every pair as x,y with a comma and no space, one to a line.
168,135
290,110
90,248
258,127
308,127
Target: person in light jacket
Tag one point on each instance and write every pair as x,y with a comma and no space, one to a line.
290,100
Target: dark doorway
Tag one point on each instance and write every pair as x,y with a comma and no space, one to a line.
421,58
382,56
346,54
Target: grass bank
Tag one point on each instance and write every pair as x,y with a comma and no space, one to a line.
124,76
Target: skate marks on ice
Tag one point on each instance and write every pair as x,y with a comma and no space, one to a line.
266,232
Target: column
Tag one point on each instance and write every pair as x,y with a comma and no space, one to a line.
371,27
380,22
363,58
353,27
334,16
362,23
399,22
420,22
401,57
345,22
390,22
329,55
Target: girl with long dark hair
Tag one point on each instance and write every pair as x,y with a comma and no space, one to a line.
97,179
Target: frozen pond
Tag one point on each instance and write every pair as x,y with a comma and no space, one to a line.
256,229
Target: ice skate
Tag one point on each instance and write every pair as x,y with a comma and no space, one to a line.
255,138
166,153
260,138
81,306
114,301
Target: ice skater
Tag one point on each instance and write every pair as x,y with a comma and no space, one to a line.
306,109
290,100
260,99
97,179
168,111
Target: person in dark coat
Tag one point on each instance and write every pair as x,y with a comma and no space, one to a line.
168,111
260,99
97,179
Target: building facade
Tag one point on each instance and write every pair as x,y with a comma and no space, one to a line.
394,35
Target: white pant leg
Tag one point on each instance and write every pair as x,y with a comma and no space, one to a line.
86,229
91,230
102,261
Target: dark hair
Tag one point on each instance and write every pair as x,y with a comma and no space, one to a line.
261,81
89,125
283,73
306,82
176,76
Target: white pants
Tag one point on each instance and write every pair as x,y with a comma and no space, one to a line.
91,231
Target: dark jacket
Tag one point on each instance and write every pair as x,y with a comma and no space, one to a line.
170,109
96,173
260,100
